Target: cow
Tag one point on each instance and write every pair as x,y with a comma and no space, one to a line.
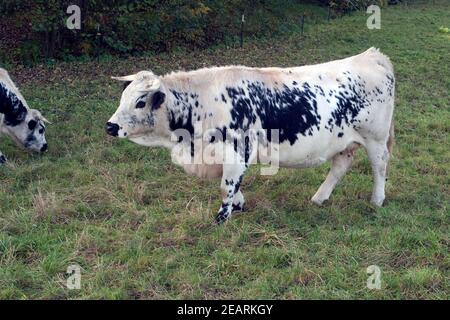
321,113
25,126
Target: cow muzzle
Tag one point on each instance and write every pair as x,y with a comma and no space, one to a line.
112,129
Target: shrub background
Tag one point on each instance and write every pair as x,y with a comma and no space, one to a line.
32,31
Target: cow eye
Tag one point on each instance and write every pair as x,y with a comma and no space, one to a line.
41,130
32,124
140,104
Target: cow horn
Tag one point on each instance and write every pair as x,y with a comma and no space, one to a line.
45,120
131,77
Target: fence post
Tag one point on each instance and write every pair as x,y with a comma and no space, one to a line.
329,13
242,30
303,23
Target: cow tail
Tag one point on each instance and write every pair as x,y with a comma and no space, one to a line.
390,143
391,140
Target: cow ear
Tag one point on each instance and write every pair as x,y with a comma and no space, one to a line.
158,99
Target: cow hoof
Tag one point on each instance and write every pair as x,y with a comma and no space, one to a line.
238,207
2,159
377,202
221,219
318,201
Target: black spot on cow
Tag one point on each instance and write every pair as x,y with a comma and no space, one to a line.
158,99
292,111
32,124
349,103
181,118
319,90
238,207
30,140
238,184
12,107
390,84
340,134
378,90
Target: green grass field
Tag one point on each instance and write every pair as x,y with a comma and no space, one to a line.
140,228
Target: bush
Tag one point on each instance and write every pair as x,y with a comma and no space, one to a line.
30,31
342,6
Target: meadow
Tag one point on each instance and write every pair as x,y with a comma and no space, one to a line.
140,228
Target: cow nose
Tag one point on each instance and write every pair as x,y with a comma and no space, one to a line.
44,148
112,129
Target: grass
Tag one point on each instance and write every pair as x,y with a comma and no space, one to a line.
140,228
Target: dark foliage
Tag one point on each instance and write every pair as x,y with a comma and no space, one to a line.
34,30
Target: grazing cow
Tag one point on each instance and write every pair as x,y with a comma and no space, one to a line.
23,125
321,113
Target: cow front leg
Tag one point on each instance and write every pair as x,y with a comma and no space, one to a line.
232,198
2,158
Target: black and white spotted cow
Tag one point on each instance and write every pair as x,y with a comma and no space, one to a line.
23,125
320,113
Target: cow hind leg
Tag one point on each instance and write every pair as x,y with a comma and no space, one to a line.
379,157
340,164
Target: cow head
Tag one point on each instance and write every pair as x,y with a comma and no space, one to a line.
139,108
25,126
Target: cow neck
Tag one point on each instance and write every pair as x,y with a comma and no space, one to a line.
181,100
